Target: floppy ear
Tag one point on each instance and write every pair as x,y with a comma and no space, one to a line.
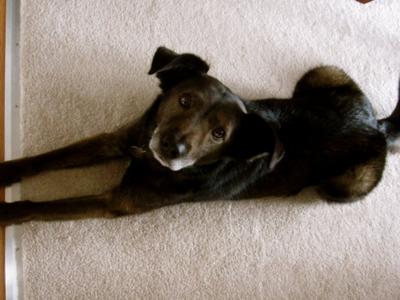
255,138
171,68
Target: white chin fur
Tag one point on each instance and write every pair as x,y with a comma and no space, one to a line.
175,164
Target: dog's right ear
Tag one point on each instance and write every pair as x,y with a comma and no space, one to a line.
171,68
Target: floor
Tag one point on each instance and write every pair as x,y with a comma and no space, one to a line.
277,249
84,66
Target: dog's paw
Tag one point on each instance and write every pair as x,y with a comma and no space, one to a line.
11,213
5,216
9,173
332,196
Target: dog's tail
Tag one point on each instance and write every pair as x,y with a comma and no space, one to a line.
390,126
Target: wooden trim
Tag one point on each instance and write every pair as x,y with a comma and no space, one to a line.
2,100
364,1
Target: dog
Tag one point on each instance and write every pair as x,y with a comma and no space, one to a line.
199,141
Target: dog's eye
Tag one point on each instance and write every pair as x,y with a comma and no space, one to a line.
218,133
185,101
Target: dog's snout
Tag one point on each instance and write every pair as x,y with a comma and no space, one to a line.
173,147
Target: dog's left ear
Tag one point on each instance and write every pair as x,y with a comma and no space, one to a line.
256,138
171,68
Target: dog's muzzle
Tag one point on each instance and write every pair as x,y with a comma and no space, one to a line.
171,148
170,151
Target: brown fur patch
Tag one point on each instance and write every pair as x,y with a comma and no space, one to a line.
356,182
325,77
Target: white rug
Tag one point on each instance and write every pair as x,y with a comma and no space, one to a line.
84,66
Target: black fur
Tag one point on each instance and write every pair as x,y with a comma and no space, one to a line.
326,136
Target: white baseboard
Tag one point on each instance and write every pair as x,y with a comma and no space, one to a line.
13,266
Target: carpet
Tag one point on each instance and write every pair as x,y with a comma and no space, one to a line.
83,71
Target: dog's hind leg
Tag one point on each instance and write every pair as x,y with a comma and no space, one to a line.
355,183
332,87
324,78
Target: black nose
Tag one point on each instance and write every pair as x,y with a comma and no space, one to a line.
172,147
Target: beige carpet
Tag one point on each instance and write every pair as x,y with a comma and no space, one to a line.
84,67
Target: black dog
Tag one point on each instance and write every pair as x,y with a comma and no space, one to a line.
199,141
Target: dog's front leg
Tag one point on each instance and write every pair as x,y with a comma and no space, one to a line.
87,152
96,206
90,151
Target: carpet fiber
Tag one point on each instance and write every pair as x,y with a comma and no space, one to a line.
83,71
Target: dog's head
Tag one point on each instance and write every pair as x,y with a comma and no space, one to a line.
199,120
